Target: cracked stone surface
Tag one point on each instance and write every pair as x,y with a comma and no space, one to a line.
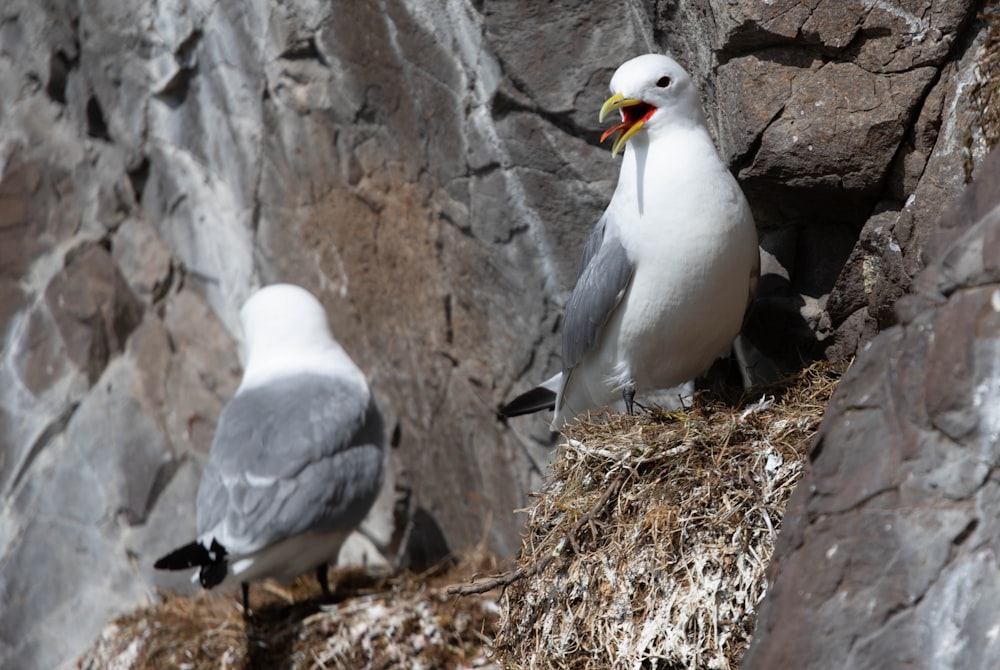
430,171
888,552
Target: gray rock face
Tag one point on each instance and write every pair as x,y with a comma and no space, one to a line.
888,555
430,171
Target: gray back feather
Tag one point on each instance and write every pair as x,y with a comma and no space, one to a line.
303,453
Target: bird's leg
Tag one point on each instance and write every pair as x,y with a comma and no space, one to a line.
628,395
324,582
246,598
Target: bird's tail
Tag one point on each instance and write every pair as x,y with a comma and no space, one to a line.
211,560
541,397
535,400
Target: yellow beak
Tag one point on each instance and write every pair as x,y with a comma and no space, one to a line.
627,128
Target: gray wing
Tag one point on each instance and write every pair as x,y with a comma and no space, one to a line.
605,272
594,241
305,453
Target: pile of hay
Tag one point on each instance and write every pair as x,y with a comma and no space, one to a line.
406,622
648,546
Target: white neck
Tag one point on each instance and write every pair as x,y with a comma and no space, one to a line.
328,359
649,180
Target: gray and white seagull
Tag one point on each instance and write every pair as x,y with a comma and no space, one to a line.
298,455
671,268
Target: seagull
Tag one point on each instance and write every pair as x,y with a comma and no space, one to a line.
670,269
298,455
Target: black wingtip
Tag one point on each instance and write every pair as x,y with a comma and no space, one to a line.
213,573
212,561
193,555
535,400
189,556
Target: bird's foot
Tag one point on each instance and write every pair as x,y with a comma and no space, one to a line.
628,395
324,580
246,600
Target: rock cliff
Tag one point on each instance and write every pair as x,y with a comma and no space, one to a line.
889,551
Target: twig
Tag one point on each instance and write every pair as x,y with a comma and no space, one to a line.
503,579
595,510
507,578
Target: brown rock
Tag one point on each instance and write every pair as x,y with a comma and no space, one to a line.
834,23
28,230
909,35
92,308
917,147
892,245
523,35
201,376
753,25
887,554
838,131
144,260
42,359
754,90
875,274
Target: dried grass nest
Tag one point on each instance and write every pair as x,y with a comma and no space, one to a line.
378,622
647,547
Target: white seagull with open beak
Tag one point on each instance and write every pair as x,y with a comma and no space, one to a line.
671,268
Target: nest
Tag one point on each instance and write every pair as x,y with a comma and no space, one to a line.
648,546
384,622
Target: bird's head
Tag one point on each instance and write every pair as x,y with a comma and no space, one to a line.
286,333
284,318
651,92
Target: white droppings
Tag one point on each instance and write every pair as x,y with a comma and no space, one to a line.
959,595
951,129
773,463
918,27
986,395
760,406
832,551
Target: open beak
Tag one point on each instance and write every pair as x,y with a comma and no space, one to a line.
634,113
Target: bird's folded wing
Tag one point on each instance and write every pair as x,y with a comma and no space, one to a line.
604,277
290,458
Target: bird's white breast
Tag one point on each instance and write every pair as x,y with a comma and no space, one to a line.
686,226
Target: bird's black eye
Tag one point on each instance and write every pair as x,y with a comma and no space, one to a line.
663,82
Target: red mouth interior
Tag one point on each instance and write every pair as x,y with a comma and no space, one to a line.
636,113
631,115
